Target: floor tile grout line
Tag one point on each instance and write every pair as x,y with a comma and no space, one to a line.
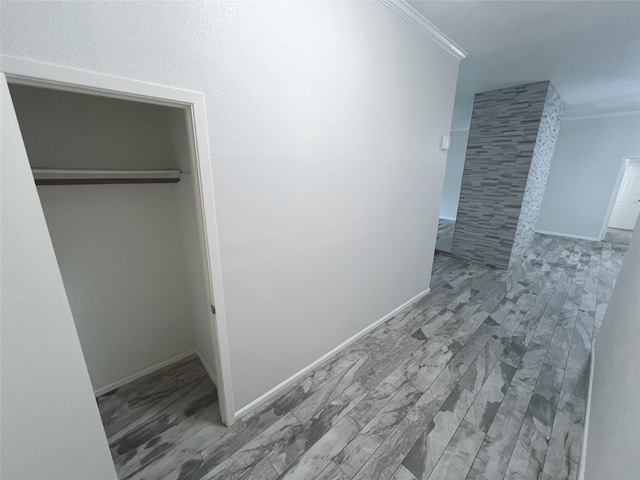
274,468
339,467
397,425
449,443
576,260
529,403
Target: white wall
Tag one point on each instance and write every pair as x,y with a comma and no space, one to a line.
129,254
583,173
98,132
121,254
324,120
613,437
50,426
196,282
453,174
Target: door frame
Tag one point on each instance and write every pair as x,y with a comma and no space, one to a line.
39,74
614,194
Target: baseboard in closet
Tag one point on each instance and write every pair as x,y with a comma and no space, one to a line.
153,368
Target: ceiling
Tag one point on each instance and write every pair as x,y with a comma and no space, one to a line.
590,50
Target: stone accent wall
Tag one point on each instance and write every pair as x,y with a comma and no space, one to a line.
539,172
504,151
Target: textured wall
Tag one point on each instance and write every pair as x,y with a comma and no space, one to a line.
539,172
109,241
587,158
324,120
107,133
50,425
502,140
612,444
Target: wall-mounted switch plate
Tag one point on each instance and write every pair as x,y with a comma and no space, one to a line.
445,141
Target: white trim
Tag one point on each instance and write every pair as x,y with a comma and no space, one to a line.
447,218
415,18
55,173
212,376
601,115
29,72
587,414
107,388
208,226
297,376
39,74
614,194
454,130
568,235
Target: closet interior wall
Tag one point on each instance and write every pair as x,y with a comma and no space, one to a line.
129,255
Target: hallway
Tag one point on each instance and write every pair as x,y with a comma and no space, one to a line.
485,378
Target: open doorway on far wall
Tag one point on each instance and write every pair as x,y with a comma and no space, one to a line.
626,204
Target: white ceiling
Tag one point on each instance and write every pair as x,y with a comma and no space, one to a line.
590,50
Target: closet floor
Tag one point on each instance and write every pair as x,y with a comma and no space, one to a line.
146,418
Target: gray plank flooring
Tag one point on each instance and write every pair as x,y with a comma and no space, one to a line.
484,379
616,235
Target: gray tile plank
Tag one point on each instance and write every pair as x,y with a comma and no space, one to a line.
387,458
317,458
542,408
425,453
284,456
262,471
457,458
563,453
486,404
473,475
527,459
517,342
316,402
482,366
250,454
403,474
332,472
357,452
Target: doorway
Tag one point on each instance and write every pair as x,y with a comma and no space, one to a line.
188,107
626,204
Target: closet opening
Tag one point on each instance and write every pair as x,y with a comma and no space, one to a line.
123,206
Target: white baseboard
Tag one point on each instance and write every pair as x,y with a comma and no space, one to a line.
447,218
208,369
142,373
587,414
297,376
568,235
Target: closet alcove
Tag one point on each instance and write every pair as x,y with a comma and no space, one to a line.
115,182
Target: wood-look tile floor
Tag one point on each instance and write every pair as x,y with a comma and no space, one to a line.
484,379
146,418
616,235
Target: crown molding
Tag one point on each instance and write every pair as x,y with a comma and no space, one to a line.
415,18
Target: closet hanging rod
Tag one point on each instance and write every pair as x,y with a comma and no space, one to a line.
48,176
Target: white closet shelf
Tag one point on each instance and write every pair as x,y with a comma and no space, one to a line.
49,176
